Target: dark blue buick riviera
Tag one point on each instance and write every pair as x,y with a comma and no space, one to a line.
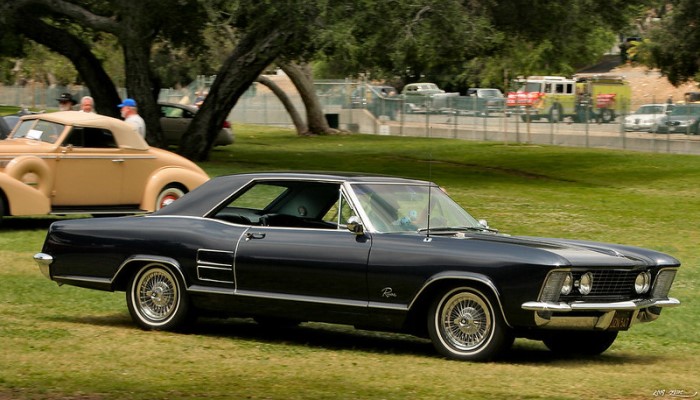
376,252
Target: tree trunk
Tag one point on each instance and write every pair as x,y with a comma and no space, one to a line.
301,77
299,123
136,38
101,87
251,56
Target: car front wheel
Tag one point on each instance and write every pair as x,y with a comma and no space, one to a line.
157,299
464,325
579,342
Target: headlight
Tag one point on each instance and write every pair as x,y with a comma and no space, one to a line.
642,283
585,284
567,285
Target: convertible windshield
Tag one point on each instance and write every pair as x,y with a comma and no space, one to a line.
404,208
38,129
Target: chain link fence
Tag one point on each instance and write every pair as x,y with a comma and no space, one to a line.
358,107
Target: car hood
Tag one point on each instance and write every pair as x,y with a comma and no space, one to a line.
567,252
24,146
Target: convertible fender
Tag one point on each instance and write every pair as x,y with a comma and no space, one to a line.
23,199
169,176
20,166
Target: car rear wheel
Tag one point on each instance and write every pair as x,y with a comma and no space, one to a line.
464,325
579,342
156,298
168,195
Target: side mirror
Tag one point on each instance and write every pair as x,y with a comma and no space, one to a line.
355,226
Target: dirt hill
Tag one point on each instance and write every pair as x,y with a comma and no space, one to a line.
648,86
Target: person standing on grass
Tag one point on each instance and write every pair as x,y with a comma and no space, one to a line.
131,116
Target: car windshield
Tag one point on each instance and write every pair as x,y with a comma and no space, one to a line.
404,208
650,110
681,110
38,129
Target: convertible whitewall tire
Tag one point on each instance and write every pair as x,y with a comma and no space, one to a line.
463,324
168,195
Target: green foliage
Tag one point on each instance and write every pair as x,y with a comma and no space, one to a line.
675,43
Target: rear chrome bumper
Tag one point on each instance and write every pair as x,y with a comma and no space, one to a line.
44,261
579,315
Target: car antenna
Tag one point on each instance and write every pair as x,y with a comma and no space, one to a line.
430,191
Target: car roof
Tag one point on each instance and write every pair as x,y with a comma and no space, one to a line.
123,133
204,198
188,107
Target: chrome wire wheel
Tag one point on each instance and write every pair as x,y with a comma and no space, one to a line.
464,325
157,295
465,321
157,299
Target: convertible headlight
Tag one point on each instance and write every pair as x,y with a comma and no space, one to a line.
642,283
585,283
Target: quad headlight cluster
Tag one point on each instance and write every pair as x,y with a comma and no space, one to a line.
584,283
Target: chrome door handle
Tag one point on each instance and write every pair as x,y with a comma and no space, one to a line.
249,236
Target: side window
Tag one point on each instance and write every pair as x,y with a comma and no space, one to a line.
90,138
339,213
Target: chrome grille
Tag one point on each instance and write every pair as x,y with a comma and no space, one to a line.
607,284
612,283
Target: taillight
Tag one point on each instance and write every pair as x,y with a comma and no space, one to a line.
227,124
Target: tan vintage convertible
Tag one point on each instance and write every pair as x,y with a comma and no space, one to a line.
80,163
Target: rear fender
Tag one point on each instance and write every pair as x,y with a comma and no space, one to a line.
165,176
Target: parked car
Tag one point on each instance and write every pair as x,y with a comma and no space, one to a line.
176,118
73,162
364,95
684,118
425,97
376,252
483,101
648,117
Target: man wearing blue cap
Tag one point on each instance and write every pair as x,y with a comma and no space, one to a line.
131,116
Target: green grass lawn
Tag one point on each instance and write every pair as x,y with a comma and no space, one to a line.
66,342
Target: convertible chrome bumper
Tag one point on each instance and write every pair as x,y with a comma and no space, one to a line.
44,260
597,315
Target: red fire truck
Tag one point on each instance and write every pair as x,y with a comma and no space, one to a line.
583,98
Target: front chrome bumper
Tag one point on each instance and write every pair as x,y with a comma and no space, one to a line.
44,261
595,315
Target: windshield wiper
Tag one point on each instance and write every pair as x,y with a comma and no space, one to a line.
456,229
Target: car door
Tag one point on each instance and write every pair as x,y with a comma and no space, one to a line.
89,170
323,265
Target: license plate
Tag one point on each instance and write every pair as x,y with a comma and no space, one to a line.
621,321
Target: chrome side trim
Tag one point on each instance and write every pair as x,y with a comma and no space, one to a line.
75,278
630,305
278,296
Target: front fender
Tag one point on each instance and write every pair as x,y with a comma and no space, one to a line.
23,199
461,276
166,176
